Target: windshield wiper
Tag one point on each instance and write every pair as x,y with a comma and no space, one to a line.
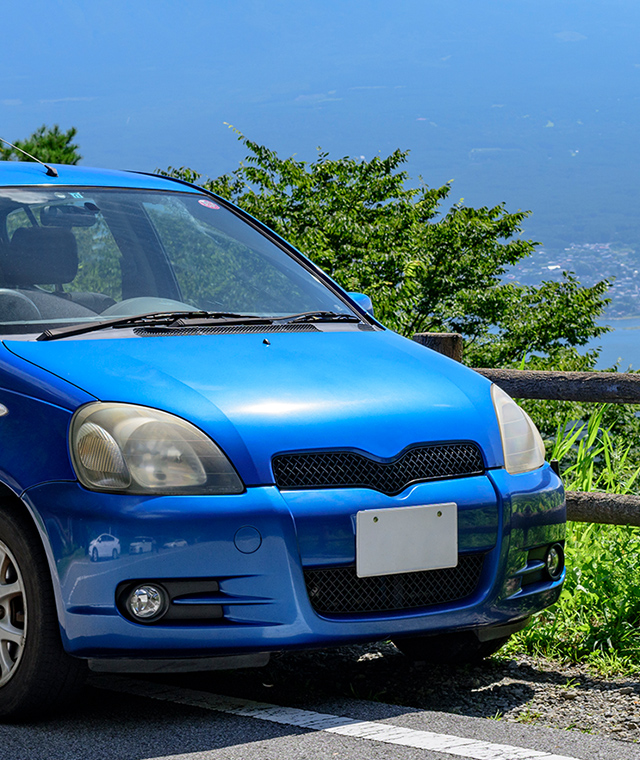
155,319
319,316
192,319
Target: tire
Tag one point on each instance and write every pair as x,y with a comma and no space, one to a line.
462,648
114,554
37,677
94,555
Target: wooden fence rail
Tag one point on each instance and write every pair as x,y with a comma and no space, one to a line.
602,387
609,508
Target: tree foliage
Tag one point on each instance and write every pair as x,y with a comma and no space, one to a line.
49,144
425,269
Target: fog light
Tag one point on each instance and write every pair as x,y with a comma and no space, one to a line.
147,602
554,561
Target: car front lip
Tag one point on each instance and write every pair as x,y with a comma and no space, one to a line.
251,543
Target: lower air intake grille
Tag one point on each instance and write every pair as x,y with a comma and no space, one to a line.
338,590
344,469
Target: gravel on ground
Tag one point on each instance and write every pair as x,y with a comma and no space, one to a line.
522,689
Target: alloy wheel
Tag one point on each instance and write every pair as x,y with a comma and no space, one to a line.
13,614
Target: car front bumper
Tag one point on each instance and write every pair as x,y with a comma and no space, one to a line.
255,547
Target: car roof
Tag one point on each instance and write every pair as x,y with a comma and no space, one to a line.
28,173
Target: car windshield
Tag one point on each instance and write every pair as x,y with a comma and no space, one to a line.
75,255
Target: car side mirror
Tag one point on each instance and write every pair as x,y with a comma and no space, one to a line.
363,301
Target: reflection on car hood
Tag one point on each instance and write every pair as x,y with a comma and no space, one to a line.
256,396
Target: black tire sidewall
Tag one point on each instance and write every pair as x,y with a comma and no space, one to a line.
32,686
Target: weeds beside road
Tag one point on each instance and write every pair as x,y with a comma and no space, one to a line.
597,620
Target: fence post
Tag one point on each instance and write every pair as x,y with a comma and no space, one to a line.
449,344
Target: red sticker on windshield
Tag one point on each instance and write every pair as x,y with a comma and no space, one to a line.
208,204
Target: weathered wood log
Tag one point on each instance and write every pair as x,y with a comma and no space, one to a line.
604,387
607,508
449,344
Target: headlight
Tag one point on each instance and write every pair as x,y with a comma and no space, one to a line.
122,447
521,442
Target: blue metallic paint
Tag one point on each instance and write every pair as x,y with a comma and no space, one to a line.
263,593
35,430
25,174
369,391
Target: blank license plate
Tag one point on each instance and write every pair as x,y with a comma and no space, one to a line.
406,539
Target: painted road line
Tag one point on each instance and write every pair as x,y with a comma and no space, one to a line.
333,724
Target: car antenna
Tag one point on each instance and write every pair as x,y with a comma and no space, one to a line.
51,171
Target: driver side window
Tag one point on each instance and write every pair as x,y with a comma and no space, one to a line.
99,257
16,219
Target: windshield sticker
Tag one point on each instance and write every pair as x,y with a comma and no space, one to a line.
76,195
208,204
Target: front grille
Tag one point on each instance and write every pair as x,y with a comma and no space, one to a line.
338,590
347,469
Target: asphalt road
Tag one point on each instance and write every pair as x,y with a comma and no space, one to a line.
131,718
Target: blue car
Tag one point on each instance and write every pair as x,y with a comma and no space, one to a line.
211,452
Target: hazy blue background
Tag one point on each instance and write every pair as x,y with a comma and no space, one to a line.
530,102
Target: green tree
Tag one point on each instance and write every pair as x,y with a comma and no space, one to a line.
49,144
425,270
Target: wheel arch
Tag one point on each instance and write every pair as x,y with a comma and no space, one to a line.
23,510
39,677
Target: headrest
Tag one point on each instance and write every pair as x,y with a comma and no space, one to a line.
40,256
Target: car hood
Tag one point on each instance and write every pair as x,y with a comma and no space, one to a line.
256,396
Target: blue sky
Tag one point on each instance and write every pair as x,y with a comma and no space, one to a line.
531,102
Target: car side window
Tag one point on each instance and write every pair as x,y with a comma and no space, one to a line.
16,219
99,257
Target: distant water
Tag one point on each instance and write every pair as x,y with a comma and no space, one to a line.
620,346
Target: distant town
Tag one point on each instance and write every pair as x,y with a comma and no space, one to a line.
590,262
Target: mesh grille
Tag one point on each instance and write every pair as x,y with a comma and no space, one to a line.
223,330
344,469
338,590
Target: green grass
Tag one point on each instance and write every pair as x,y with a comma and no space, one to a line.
597,620
593,459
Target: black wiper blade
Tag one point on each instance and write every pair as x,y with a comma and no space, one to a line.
156,318
320,316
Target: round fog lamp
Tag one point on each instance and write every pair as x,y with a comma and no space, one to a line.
554,561
147,602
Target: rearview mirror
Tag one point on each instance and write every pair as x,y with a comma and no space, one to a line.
62,215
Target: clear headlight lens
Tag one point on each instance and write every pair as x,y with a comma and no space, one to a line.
521,442
122,447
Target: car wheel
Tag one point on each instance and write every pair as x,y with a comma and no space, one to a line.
114,554
449,648
37,677
94,555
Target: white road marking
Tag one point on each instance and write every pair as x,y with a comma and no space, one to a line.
333,724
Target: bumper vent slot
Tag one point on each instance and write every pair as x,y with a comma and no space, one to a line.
339,591
347,469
